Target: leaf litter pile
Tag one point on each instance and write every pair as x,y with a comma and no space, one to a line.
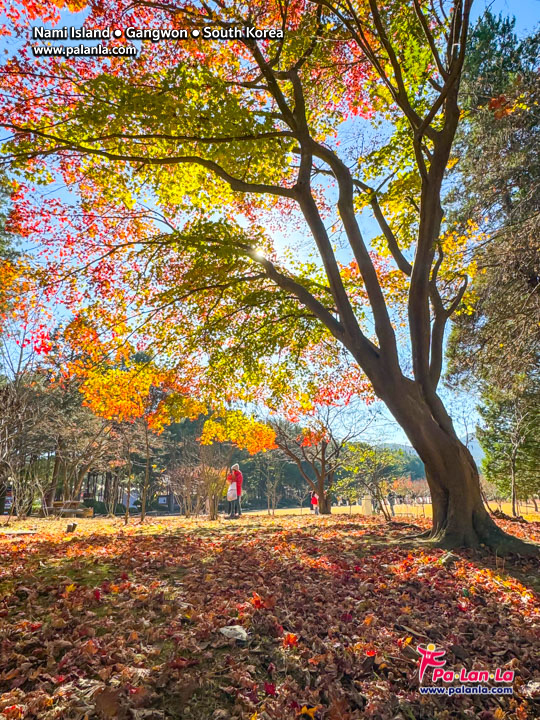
326,615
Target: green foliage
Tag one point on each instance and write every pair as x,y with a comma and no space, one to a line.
98,506
494,57
510,437
259,469
413,466
498,187
371,470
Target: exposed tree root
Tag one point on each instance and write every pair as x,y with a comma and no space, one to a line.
490,537
503,516
424,535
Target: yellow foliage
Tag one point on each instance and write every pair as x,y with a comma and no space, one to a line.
244,432
125,394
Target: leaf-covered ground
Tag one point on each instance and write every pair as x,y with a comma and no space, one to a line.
114,622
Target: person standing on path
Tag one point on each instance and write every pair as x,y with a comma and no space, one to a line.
315,503
232,496
235,507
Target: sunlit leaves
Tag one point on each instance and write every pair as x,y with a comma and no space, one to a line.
140,391
245,432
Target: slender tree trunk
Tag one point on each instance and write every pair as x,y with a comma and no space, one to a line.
485,500
214,504
11,509
113,496
54,481
513,486
146,474
107,489
460,518
77,489
3,491
383,505
126,516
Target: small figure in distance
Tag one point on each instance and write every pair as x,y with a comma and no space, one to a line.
232,496
235,480
314,503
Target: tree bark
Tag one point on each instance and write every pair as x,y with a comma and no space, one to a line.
325,503
513,488
55,475
3,492
146,473
128,498
214,503
460,518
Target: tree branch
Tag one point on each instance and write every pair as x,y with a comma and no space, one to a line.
431,40
235,183
383,326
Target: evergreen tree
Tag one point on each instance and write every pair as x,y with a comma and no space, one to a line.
511,439
497,186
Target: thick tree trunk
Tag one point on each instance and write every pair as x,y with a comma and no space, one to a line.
460,518
325,503
325,506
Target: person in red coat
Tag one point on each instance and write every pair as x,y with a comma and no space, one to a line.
315,503
236,476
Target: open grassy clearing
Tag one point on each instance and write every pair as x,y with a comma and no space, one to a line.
402,511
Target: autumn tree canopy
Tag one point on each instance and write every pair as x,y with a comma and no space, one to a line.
221,190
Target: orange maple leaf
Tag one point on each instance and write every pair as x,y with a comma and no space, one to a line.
290,640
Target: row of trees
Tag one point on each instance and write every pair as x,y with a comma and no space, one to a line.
55,444
52,441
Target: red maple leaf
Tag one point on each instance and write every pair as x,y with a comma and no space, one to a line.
257,601
290,640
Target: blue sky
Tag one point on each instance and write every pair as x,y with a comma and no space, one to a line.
526,12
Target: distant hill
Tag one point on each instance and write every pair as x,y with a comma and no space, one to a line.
473,444
396,446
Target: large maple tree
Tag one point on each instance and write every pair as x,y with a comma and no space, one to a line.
188,159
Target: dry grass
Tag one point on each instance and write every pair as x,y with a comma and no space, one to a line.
404,511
